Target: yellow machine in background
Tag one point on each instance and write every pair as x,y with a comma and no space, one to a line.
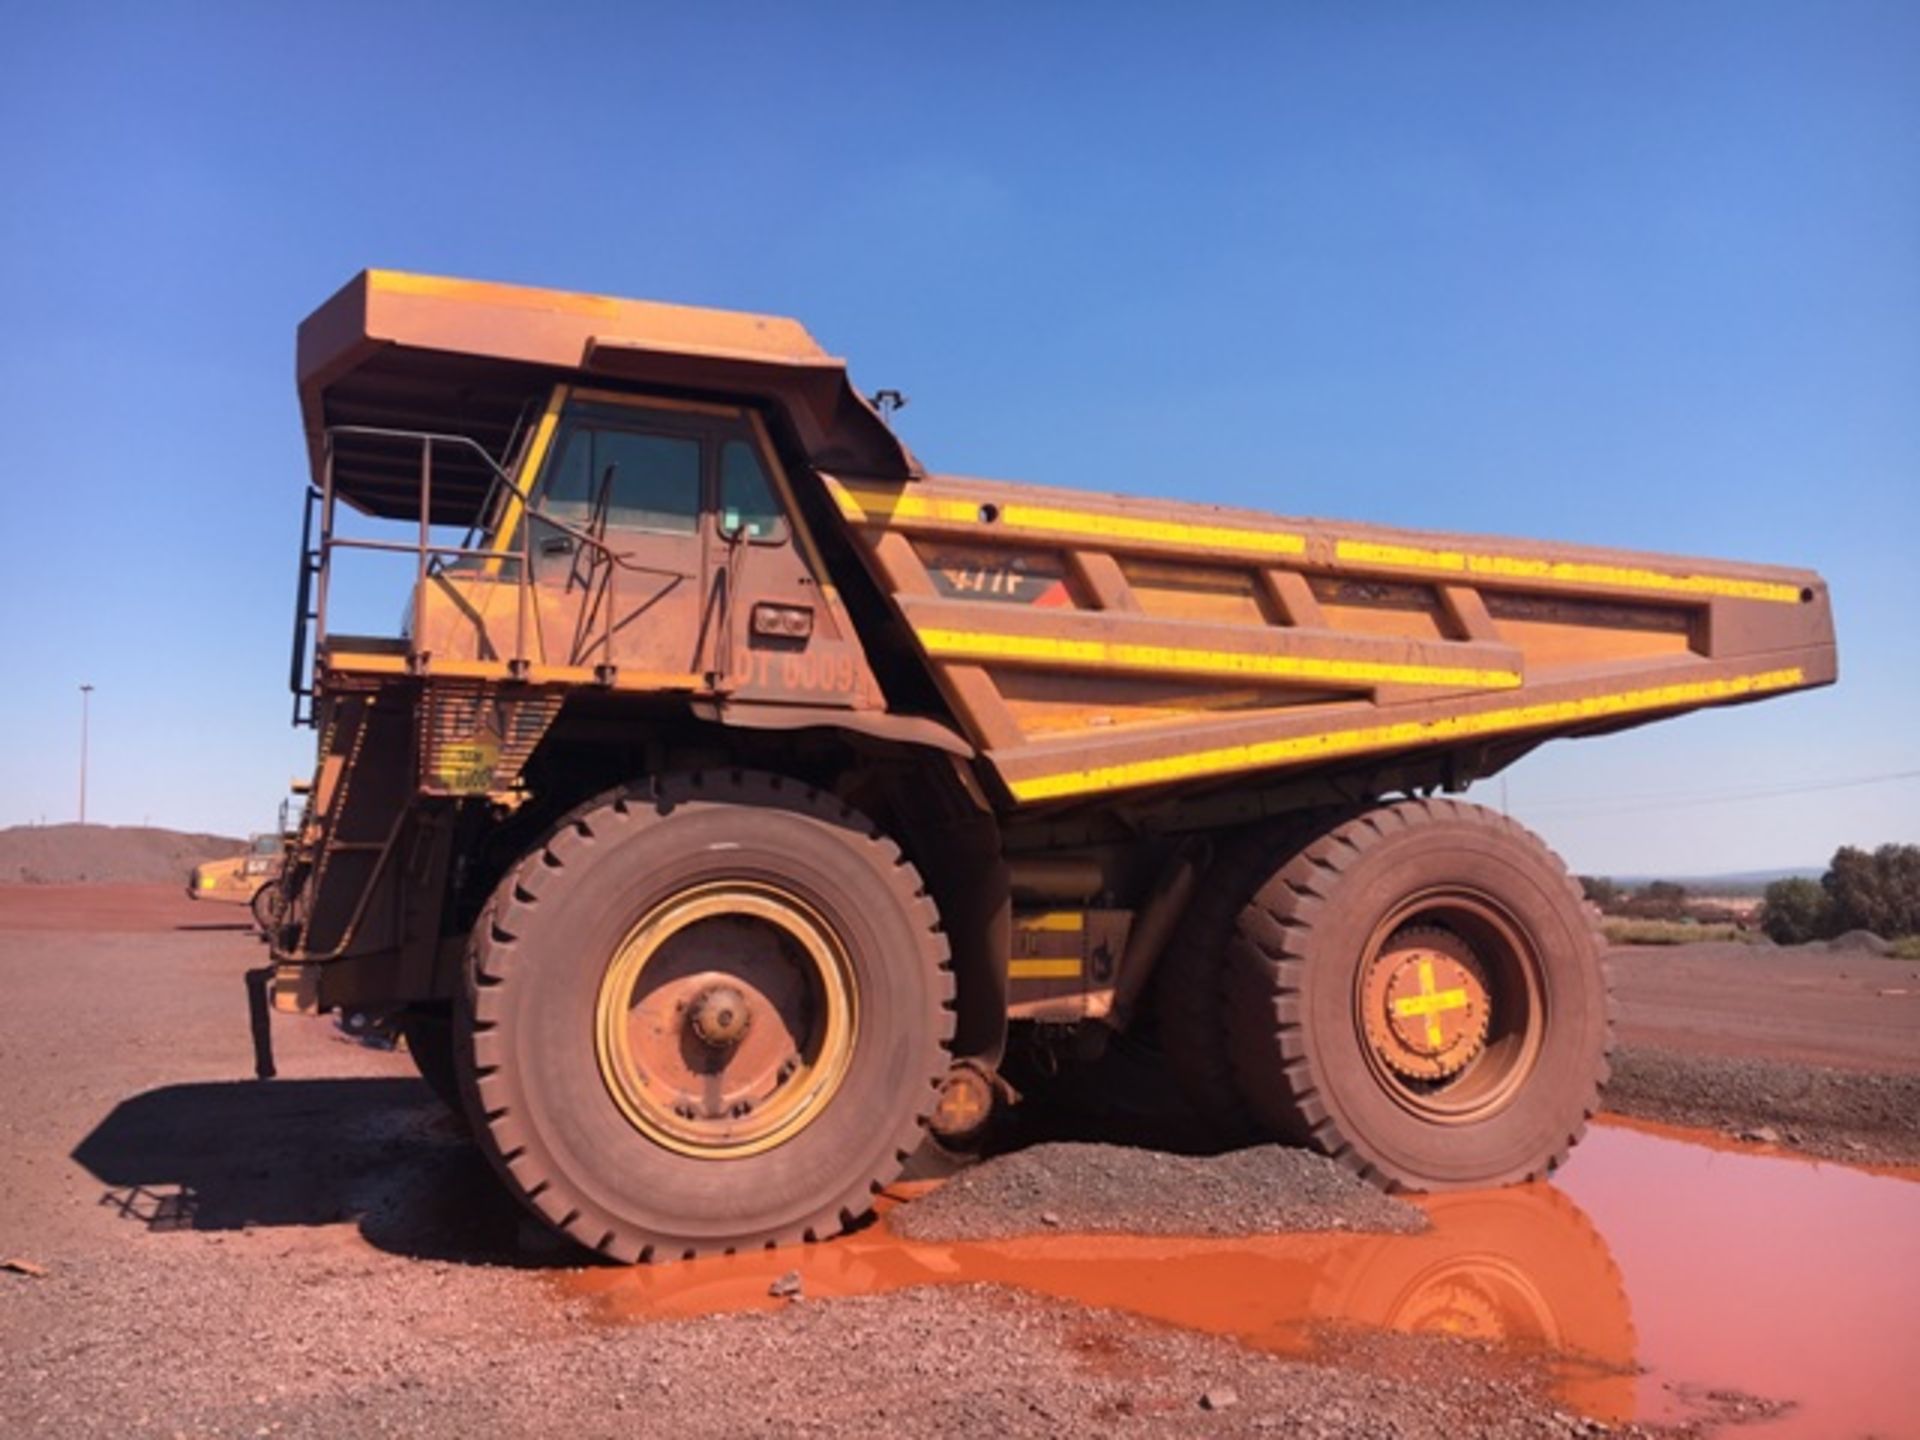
244,879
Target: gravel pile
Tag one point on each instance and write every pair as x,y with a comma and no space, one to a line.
1860,942
1840,1114
1085,1188
105,854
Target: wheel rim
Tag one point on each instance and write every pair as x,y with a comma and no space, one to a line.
726,1019
1450,1004
1476,1297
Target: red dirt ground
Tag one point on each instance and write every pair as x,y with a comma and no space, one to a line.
117,908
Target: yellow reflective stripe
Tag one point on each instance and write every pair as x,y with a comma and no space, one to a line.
1257,754
864,507
980,645
1057,922
1043,969
1578,572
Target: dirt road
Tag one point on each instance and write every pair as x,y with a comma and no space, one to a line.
1814,1050
324,1254
1810,1006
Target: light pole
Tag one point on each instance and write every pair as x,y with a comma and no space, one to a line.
86,696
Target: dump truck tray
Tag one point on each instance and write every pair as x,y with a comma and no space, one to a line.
1093,644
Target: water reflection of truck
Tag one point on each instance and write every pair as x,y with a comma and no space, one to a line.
1523,1269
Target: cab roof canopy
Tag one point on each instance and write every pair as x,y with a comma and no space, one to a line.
419,353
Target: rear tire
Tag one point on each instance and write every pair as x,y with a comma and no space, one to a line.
429,1037
575,1052
1342,1037
1189,999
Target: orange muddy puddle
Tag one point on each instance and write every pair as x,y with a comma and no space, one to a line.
1650,1273
1788,1278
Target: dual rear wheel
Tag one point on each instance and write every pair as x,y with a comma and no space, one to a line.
1415,990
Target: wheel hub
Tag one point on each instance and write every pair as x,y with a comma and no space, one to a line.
966,1103
1427,1004
719,1017
726,1020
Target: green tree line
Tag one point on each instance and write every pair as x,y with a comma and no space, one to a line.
1878,891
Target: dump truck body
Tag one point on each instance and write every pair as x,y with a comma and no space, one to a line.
236,879
703,589
1094,646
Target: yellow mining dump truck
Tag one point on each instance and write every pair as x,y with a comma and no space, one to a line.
244,879
737,796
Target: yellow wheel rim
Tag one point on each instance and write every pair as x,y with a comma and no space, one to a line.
726,1019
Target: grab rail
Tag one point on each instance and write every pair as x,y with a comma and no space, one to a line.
315,573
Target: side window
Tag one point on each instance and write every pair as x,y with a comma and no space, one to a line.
651,482
747,505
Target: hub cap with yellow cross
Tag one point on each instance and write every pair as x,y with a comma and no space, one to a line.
1426,1004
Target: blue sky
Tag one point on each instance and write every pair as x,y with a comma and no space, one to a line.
1635,274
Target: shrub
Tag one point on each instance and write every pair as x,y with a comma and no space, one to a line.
1601,891
1796,911
1878,892
1656,900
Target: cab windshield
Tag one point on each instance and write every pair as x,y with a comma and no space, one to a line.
638,470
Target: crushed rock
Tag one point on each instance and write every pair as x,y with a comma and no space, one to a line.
1840,1114
1863,942
1088,1188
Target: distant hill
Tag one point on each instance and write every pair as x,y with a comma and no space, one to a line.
105,854
1733,882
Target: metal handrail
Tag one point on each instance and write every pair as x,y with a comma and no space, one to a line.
598,612
501,475
315,572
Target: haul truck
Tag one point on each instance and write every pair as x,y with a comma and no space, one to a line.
247,878
237,879
738,796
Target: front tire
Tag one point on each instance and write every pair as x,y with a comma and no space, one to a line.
1419,993
710,1012
269,908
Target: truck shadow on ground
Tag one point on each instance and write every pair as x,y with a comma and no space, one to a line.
381,1154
